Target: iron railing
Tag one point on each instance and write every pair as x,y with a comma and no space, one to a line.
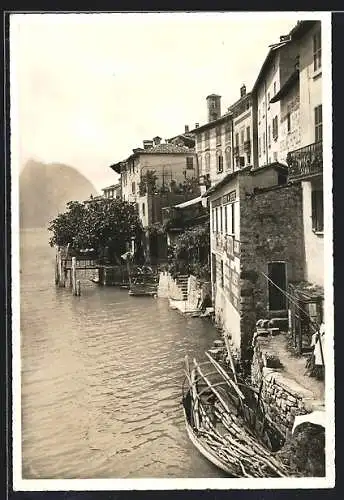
305,162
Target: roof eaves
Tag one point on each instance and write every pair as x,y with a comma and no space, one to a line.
293,78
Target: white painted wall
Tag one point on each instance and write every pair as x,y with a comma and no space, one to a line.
314,243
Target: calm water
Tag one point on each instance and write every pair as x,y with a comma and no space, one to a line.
101,378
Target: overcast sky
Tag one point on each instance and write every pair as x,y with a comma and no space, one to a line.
92,86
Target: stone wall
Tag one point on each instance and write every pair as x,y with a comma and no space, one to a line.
196,290
271,230
281,397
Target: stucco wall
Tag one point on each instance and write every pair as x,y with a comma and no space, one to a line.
290,140
214,147
310,88
314,243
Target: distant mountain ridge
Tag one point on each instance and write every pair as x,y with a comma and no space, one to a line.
44,190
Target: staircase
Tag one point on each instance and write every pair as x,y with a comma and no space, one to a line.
182,283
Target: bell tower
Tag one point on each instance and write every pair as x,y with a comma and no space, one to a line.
214,107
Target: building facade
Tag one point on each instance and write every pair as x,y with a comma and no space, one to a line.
113,191
276,69
214,144
242,125
253,232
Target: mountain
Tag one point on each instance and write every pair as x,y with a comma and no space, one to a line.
44,190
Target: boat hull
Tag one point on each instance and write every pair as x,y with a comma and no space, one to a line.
205,450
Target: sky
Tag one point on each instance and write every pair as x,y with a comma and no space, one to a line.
88,88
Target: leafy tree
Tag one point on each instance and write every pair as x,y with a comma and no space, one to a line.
106,225
148,182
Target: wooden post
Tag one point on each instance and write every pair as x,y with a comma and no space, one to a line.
56,271
59,266
74,275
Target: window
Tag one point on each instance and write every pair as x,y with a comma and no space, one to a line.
199,138
248,159
199,160
228,158
133,187
237,139
275,128
189,163
228,132
222,274
213,267
274,88
221,220
218,135
317,51
219,163
248,133
213,219
242,136
233,218
225,219
288,123
242,161
217,219
318,123
143,209
269,136
207,162
207,137
317,210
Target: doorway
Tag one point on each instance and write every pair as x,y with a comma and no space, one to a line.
277,273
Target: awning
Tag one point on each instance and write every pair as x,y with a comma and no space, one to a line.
189,202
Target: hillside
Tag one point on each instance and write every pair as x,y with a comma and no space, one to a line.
44,190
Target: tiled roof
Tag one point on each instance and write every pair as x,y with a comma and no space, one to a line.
167,148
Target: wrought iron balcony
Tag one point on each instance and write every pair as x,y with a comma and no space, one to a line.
305,162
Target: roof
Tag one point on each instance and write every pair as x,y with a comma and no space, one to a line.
239,101
189,202
156,150
224,180
287,86
212,124
297,32
113,186
276,165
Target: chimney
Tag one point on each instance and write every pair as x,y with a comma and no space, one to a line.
196,125
157,140
147,144
214,107
186,129
243,91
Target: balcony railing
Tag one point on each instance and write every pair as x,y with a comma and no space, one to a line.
305,162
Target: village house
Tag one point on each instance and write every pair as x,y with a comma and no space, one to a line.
113,191
153,177
267,220
255,220
213,144
276,69
305,163
242,124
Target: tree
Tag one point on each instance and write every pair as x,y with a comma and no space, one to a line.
106,225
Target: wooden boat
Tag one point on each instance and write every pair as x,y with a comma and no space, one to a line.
222,417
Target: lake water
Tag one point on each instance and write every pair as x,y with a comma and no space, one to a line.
101,378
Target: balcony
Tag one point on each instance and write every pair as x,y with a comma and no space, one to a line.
305,162
247,146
